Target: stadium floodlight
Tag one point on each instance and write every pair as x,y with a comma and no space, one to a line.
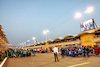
49,33
34,38
88,10
45,32
78,15
28,40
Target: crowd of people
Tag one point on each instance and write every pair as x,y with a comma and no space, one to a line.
14,53
74,51
10,53
63,51
85,51
2,55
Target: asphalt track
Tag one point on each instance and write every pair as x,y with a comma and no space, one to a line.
47,60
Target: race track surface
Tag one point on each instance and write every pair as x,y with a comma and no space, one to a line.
47,60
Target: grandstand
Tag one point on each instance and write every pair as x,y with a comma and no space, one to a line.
3,40
85,38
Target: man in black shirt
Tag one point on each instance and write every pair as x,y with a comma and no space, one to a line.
63,52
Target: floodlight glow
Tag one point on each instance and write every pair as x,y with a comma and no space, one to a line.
44,32
77,15
28,40
88,10
34,38
47,30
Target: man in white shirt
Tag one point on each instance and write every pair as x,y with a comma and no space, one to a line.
55,50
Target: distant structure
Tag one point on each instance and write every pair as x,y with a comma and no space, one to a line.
60,37
89,36
3,40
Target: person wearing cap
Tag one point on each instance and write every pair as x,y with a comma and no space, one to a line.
55,50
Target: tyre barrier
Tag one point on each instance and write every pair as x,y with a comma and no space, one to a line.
96,49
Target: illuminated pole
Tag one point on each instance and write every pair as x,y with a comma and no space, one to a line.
89,10
49,36
95,21
46,36
28,41
45,32
78,15
34,39
49,33
80,20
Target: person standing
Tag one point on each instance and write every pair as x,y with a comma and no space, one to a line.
22,53
67,52
6,53
9,53
84,51
55,50
34,52
87,52
63,52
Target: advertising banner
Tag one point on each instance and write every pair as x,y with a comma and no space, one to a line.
87,25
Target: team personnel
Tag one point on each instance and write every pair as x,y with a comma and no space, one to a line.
55,50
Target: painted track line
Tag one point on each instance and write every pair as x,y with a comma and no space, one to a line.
79,64
3,62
